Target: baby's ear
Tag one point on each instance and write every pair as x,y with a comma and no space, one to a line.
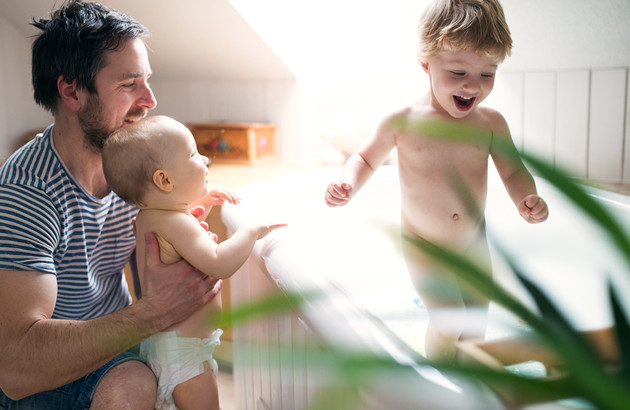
425,66
162,181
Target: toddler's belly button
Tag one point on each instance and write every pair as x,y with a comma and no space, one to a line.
455,217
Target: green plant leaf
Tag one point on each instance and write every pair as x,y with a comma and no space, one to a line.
622,328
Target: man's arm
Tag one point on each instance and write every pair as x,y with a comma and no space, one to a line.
39,353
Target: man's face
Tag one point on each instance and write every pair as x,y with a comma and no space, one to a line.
123,94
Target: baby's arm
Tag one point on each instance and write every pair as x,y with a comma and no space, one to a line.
222,260
360,166
517,180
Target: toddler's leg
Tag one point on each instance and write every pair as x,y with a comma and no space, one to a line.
455,310
441,296
200,392
477,303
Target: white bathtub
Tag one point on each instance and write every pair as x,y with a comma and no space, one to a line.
370,302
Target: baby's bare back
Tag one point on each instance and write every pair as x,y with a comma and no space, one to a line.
159,222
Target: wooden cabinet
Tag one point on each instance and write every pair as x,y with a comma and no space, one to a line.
244,143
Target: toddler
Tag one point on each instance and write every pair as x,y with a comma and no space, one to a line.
462,42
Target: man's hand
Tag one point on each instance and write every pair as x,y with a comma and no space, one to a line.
175,291
199,212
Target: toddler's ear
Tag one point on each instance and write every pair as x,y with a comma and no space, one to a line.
425,66
161,181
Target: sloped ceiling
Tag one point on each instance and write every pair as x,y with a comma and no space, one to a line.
192,39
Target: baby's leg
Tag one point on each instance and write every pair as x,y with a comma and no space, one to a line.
200,392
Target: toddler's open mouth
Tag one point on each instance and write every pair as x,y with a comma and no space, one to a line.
463,103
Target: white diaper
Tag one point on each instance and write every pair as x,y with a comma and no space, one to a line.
176,359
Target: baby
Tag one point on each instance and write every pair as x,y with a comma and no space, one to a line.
462,42
154,164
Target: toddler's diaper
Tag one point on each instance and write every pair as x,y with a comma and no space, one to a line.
176,359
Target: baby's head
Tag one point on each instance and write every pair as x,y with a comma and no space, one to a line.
133,154
471,25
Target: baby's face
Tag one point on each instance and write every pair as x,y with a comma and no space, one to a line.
460,80
187,168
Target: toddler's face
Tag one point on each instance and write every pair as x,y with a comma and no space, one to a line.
460,80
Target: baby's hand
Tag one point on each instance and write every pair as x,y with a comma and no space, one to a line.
264,230
338,193
219,195
533,209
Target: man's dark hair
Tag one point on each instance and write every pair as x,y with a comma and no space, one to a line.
73,44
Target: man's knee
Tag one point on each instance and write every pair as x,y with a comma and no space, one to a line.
129,385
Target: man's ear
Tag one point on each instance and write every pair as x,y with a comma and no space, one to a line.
162,181
68,93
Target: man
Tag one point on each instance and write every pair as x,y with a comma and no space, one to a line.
66,318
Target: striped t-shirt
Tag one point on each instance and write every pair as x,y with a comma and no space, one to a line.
49,223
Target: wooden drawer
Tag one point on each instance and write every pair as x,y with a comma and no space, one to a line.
235,142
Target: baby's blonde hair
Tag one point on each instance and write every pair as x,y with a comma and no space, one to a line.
132,154
476,25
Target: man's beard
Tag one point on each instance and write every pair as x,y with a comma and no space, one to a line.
92,123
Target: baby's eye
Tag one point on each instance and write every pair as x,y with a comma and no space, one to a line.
488,75
458,73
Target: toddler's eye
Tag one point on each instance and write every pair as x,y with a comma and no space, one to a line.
458,73
487,75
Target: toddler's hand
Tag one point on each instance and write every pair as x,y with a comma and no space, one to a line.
338,193
533,209
219,195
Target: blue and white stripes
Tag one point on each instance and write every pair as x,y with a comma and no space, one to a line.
49,223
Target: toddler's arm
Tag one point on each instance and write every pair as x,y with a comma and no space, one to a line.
360,166
517,180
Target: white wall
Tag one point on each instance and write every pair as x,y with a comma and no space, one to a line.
575,119
19,115
564,89
568,34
